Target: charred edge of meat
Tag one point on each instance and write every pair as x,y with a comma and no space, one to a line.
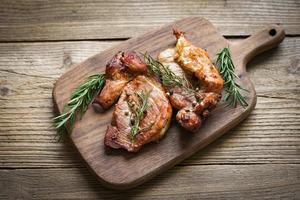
189,120
134,63
177,33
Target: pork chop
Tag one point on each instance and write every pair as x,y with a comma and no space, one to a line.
154,122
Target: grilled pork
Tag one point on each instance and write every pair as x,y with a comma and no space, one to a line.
152,124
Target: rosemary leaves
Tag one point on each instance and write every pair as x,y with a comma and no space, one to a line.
226,68
139,109
167,76
78,104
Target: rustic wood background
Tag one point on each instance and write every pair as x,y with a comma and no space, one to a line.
40,40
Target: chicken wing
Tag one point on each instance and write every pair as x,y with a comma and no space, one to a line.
196,61
121,69
180,98
189,61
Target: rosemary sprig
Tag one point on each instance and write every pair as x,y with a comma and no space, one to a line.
78,104
227,68
167,76
139,109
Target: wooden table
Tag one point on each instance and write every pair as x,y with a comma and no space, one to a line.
40,40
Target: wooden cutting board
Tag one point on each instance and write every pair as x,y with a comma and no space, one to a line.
119,169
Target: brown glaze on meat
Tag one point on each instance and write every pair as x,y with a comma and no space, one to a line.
193,107
122,68
133,63
189,120
118,134
196,61
181,99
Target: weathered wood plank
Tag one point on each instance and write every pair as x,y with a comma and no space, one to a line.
77,20
189,182
28,71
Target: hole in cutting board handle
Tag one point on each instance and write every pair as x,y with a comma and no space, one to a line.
272,32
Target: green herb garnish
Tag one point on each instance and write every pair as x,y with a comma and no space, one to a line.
167,76
227,68
80,100
139,109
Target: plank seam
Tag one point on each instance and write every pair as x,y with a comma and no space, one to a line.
116,39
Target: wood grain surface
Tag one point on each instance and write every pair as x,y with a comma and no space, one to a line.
76,20
269,135
122,170
189,182
263,151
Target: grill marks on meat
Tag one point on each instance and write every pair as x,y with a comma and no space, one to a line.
121,69
157,117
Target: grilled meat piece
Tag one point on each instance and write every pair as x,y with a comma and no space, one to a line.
179,97
188,61
153,124
196,61
122,68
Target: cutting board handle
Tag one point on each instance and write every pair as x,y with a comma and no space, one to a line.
259,42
